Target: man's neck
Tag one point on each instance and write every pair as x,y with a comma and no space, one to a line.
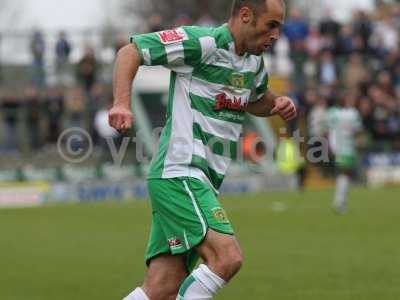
234,29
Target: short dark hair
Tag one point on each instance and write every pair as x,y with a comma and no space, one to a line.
254,4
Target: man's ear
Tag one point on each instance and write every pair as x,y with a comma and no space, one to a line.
246,14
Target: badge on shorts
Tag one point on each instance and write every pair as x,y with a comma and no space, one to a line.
220,215
172,36
174,243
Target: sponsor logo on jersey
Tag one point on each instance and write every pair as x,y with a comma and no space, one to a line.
172,36
174,243
223,102
220,215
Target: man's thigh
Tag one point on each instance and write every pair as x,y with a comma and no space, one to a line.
183,211
164,276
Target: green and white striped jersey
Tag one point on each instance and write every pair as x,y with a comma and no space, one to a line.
343,125
209,89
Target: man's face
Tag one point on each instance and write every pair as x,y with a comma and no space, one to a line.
263,28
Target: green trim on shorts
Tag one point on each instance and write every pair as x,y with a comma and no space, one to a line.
184,209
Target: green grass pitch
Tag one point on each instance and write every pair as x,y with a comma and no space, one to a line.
295,248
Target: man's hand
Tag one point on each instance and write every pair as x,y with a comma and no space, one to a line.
121,118
285,108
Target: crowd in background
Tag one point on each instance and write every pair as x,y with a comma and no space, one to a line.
38,112
361,59
329,60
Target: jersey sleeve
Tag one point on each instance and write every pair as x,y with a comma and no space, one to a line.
261,82
174,49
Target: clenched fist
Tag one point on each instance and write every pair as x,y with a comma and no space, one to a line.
285,108
120,118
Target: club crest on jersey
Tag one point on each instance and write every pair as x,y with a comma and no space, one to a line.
223,102
172,36
237,80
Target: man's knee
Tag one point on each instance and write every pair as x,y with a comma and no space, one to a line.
165,291
236,261
229,262
222,254
164,277
163,287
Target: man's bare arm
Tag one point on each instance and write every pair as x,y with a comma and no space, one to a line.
271,105
126,67
264,106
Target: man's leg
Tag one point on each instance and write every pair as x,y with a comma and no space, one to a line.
163,278
343,182
222,260
342,187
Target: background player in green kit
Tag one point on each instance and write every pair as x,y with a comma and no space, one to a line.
217,75
344,123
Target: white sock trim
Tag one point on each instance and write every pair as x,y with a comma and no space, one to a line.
209,279
137,294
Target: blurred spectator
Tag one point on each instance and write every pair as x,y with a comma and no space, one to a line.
87,69
97,99
278,60
317,118
63,51
296,29
316,128
10,105
183,20
327,73
381,112
155,23
384,82
385,36
120,42
355,72
38,47
391,63
54,103
330,93
329,27
365,108
396,16
314,43
75,107
105,132
33,105
358,45
362,28
309,99
206,20
329,30
292,125
344,45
